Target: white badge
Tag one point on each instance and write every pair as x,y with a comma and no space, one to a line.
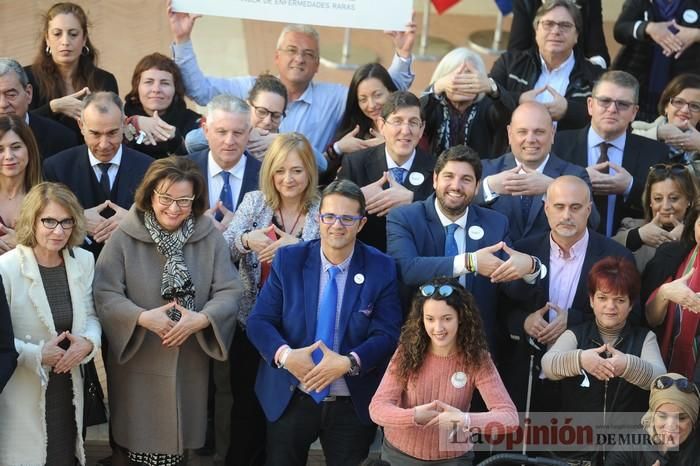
543,271
458,379
359,278
476,232
416,179
690,16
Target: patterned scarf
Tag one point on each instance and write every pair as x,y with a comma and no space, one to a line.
176,282
444,137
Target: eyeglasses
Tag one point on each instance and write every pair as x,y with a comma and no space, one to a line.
262,113
292,52
669,169
679,103
345,220
686,386
166,201
621,105
564,26
428,290
414,124
52,223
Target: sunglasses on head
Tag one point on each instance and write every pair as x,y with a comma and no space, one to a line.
429,290
686,386
669,168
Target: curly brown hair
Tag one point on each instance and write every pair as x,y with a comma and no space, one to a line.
414,341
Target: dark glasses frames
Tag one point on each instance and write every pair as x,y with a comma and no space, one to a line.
429,290
666,169
686,386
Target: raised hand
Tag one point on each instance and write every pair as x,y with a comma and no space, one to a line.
70,105
404,40
395,195
181,24
557,107
375,187
653,233
678,292
351,143
258,142
226,219
284,239
156,130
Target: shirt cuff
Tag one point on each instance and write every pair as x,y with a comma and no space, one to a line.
636,29
598,60
278,353
357,358
459,265
629,188
180,50
489,195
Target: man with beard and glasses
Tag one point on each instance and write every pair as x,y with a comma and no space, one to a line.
446,236
536,314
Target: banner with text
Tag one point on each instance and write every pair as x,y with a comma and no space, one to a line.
391,15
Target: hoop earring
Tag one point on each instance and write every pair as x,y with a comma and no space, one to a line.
86,50
48,50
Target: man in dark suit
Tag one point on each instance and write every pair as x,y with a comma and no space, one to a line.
448,236
536,314
15,97
514,183
395,173
326,335
102,173
226,166
617,161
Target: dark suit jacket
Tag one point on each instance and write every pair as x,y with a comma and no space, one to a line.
416,239
285,314
367,166
536,222
639,154
521,299
250,174
8,354
51,137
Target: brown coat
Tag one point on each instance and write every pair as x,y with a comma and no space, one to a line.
158,395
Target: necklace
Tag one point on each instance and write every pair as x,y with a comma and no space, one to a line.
279,211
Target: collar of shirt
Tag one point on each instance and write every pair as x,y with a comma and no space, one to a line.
579,247
594,139
116,160
406,165
565,68
308,95
461,221
343,266
539,169
237,171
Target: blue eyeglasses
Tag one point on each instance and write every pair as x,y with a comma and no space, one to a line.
428,290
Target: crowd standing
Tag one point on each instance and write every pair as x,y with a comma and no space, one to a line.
309,260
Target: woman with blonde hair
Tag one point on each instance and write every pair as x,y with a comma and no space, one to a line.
284,211
48,282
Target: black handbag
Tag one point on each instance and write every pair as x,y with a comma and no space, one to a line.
94,410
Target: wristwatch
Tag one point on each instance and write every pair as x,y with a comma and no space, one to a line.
354,366
493,92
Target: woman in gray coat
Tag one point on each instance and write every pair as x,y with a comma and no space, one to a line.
167,295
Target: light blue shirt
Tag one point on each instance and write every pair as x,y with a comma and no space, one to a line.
316,113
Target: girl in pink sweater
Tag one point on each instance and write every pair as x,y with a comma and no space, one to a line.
423,399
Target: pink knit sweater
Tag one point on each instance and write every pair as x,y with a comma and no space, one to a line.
392,405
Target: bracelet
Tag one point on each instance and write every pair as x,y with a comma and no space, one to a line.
283,357
471,262
244,240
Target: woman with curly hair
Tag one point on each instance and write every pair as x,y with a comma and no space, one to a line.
426,391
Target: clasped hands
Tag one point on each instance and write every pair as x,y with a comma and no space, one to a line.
173,333
438,413
489,265
99,227
316,377
63,360
380,201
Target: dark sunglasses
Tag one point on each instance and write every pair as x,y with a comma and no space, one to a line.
666,169
686,386
429,290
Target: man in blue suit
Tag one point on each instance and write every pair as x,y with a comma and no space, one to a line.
326,323
514,183
103,173
226,166
448,236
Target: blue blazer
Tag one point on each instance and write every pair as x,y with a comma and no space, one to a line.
250,174
416,239
536,222
285,314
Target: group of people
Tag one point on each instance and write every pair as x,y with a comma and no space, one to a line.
335,258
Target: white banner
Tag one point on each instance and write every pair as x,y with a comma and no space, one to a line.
390,15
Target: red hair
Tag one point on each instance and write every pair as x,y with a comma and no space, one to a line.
614,274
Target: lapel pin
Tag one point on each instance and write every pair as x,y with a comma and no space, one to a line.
359,278
476,232
458,379
416,179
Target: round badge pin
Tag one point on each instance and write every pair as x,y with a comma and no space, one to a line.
475,232
416,179
458,379
359,278
543,271
690,16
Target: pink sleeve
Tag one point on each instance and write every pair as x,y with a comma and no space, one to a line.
502,416
384,409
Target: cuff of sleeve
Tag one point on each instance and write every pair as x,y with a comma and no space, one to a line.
278,353
179,50
634,241
629,188
638,31
489,196
459,265
357,358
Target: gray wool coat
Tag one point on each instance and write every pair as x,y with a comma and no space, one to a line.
158,395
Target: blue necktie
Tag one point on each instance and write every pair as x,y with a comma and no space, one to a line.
104,179
225,197
525,204
325,323
398,173
451,249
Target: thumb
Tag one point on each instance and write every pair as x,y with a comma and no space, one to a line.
464,67
60,337
494,247
540,90
314,346
322,346
222,208
601,349
686,278
278,230
81,93
657,218
552,91
508,250
355,131
155,114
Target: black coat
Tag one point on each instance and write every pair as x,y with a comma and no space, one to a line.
8,354
51,137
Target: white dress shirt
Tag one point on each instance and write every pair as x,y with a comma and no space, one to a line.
215,181
113,168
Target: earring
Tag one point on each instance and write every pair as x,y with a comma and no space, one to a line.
48,50
86,50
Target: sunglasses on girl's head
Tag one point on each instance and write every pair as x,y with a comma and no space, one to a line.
442,290
672,168
684,385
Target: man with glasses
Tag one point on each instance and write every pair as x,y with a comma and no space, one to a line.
552,72
103,173
326,335
314,108
394,173
230,172
616,160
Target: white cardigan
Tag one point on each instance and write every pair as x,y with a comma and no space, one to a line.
22,403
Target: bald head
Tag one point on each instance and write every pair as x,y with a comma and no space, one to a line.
568,206
569,183
531,134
